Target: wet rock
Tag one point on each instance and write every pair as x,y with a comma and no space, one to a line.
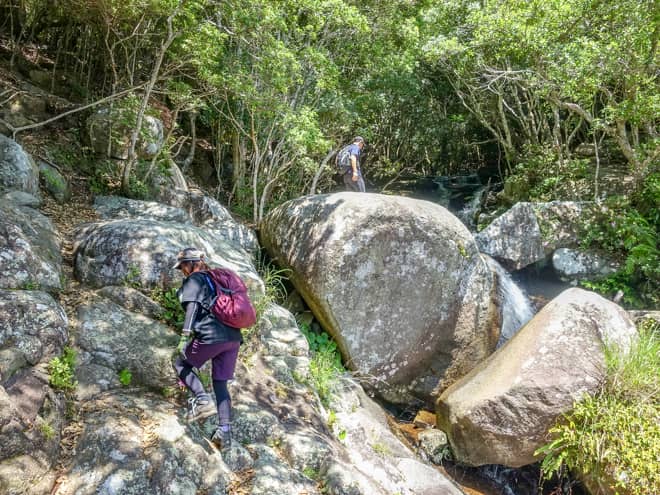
529,233
573,265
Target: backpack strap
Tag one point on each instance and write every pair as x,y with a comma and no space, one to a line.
207,277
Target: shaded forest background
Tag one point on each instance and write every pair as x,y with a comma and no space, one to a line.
545,99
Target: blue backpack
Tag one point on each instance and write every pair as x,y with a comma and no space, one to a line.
343,160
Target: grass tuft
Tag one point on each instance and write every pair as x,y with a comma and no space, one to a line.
613,439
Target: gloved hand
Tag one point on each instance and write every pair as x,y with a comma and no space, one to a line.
182,342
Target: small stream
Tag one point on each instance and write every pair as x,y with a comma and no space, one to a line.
517,309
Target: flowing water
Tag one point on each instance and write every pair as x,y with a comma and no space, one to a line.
467,213
517,309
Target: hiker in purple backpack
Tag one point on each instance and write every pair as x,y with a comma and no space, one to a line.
211,340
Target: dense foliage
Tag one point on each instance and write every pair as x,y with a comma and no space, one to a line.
628,227
558,97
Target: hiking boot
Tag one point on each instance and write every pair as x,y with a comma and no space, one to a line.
199,408
222,438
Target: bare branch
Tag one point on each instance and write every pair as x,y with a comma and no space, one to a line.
16,130
317,175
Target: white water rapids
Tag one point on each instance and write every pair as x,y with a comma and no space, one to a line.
516,307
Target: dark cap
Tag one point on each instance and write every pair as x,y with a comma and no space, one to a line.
188,254
358,139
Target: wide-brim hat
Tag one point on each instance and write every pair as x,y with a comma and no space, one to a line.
188,254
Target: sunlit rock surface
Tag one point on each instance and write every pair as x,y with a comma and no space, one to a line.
398,282
501,411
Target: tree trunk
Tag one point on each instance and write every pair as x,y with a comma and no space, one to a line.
132,156
238,165
317,175
192,115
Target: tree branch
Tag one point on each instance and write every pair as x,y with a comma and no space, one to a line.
16,130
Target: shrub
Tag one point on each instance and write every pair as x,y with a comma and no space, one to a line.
628,227
325,367
324,373
321,342
275,289
61,370
613,438
132,278
125,377
538,177
47,430
173,313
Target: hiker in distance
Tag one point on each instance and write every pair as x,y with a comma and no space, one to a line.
348,160
211,340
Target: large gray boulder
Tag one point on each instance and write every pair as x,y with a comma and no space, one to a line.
109,133
17,169
141,251
118,339
116,207
530,232
574,265
398,283
33,329
183,207
501,411
269,410
29,248
209,214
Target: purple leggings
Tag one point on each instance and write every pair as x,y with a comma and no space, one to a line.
223,356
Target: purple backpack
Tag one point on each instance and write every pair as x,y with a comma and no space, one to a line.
231,304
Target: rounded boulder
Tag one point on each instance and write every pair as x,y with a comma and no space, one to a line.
399,284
